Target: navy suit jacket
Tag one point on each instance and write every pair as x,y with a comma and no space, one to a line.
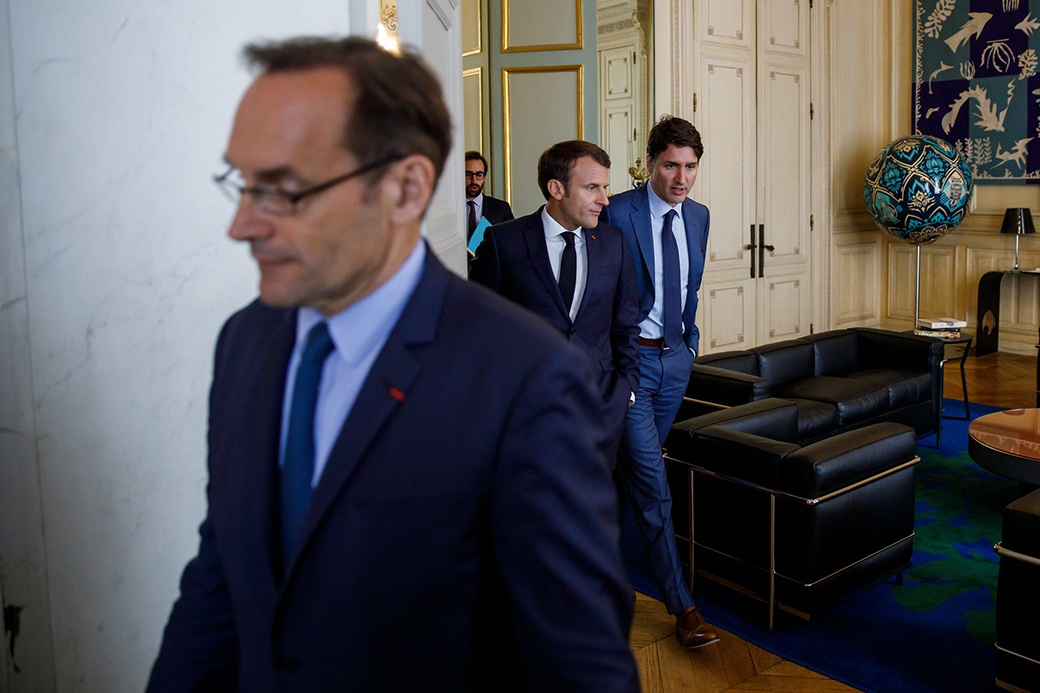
462,537
495,210
513,261
630,211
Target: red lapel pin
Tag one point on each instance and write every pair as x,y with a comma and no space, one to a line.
396,394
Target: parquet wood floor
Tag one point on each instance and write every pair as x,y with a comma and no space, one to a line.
1001,379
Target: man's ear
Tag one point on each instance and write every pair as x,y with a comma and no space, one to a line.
408,187
557,191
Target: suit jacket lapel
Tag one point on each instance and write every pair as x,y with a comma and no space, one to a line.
383,392
534,236
593,259
643,227
266,403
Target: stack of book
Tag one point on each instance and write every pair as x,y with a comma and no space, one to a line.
943,328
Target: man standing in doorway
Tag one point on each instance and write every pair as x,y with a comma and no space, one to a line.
667,234
479,205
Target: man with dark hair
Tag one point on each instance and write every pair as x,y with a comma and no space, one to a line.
477,203
406,490
667,234
572,270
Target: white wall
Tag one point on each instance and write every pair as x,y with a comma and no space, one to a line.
115,276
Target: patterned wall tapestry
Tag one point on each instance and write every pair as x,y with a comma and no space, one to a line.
976,83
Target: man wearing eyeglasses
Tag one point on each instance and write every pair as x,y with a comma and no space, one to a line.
479,205
405,485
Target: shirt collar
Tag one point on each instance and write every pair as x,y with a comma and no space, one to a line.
359,327
478,200
553,229
658,207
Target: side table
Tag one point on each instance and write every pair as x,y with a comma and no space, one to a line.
964,340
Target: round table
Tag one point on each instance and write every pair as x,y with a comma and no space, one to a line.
1007,443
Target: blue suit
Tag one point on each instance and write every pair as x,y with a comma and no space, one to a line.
662,384
513,261
462,536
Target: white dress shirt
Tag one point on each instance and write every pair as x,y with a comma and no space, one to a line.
555,244
652,326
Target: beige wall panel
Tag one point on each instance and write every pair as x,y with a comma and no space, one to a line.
541,109
470,26
860,115
938,282
856,284
725,306
536,24
473,108
785,170
616,138
724,183
783,308
726,22
789,22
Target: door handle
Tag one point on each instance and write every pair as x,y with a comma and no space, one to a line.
751,246
762,248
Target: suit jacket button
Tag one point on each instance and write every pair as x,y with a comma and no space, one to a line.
646,312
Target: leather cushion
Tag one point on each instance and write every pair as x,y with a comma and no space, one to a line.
815,418
785,361
740,361
904,386
836,352
855,399
1022,525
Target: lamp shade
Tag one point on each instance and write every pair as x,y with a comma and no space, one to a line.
1018,220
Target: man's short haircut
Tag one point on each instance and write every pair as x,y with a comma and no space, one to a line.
557,161
397,104
473,155
671,130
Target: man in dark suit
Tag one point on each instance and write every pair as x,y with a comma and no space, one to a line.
667,234
573,271
406,490
477,203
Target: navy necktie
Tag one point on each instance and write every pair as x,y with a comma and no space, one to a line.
568,271
298,467
672,314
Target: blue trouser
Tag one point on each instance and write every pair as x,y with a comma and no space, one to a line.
663,375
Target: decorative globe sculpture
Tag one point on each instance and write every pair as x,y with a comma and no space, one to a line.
917,189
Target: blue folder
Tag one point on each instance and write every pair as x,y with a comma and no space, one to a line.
478,235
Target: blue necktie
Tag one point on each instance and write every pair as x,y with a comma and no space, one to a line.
568,270
672,314
298,467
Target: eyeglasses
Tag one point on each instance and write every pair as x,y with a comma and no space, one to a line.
272,200
479,175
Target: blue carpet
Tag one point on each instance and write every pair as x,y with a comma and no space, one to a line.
934,633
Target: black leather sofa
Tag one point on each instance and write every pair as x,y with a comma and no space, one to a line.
794,525
1018,596
840,380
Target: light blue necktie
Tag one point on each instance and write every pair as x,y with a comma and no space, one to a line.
672,313
298,467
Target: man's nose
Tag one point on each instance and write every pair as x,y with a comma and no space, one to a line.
249,223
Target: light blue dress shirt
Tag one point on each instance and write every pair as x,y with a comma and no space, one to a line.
652,326
359,333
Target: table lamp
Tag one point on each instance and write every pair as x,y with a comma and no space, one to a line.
1019,221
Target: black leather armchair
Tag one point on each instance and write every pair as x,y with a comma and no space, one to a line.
795,526
1018,600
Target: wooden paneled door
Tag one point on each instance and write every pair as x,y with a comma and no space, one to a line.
754,112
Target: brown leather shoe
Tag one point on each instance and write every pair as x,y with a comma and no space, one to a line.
691,630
